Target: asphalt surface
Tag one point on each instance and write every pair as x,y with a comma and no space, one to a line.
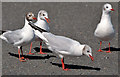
74,20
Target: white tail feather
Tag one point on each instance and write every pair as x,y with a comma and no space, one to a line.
3,38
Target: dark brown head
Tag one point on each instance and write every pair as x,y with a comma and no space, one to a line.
30,16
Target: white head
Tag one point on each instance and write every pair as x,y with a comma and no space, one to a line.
30,16
86,50
43,15
107,8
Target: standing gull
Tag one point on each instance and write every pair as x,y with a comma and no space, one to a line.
105,30
42,22
20,37
61,46
65,46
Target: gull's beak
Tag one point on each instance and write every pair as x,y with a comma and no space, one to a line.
34,18
91,57
112,9
47,19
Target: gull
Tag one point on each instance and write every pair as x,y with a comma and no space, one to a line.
105,30
20,37
42,22
61,46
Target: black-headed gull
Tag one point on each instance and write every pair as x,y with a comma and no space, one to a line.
42,22
22,36
65,46
105,30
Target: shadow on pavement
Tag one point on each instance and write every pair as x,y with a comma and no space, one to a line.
37,49
111,49
69,66
31,56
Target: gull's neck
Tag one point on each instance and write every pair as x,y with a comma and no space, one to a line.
26,26
106,16
42,23
39,21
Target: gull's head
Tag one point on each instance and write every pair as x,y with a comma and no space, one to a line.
30,16
43,15
107,8
87,51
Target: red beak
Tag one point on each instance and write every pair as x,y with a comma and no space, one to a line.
34,18
47,19
91,57
112,9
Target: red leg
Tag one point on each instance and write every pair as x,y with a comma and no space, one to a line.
41,49
109,49
63,65
100,47
20,58
30,50
22,55
19,52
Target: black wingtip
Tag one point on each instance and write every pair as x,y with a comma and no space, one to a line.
2,31
36,27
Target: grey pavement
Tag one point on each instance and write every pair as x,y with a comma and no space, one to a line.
74,20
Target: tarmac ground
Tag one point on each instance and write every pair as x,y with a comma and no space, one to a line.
76,20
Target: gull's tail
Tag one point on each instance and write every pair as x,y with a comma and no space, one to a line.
1,34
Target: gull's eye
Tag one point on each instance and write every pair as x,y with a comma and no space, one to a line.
30,15
88,51
106,6
43,14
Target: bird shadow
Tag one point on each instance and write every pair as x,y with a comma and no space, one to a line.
31,56
69,66
37,49
111,49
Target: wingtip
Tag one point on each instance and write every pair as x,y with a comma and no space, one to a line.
2,31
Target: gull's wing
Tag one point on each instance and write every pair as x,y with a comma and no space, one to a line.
38,31
36,27
13,36
59,43
39,34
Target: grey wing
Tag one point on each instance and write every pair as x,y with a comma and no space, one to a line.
13,36
59,43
